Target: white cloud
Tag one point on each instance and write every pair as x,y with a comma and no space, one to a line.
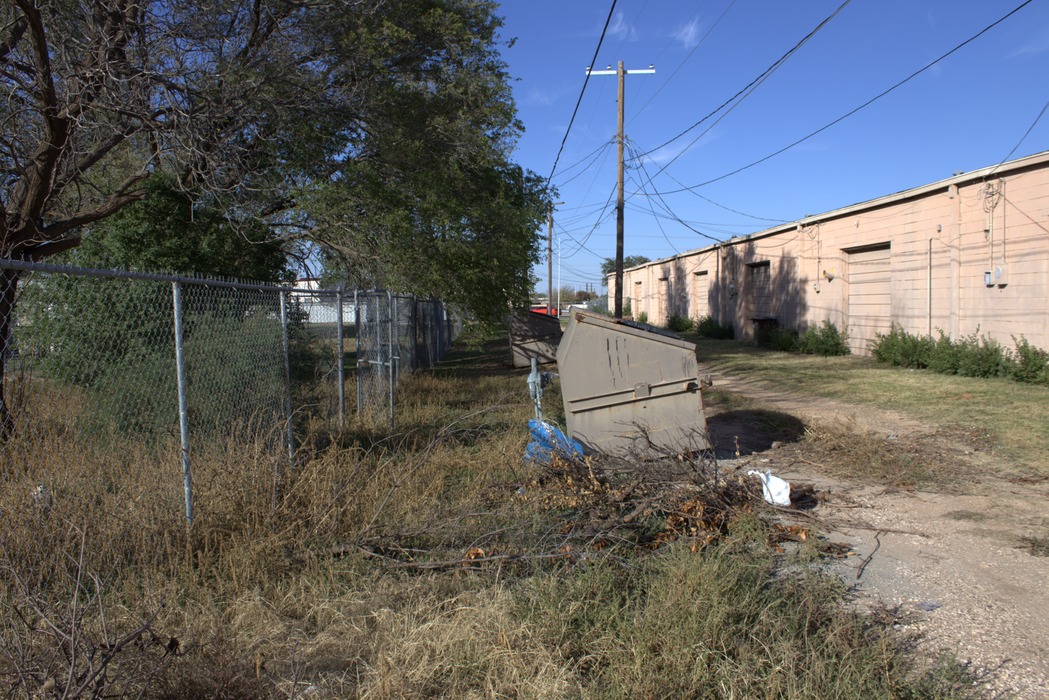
537,96
689,34
672,151
1037,45
620,29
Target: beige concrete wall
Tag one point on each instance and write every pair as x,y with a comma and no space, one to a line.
943,237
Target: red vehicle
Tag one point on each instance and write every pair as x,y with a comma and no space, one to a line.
544,310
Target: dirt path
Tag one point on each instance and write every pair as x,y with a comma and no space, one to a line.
949,559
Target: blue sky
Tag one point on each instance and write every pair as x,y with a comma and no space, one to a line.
966,112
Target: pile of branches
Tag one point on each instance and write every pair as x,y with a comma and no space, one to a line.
572,509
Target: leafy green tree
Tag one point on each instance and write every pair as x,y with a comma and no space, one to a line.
115,338
381,131
168,232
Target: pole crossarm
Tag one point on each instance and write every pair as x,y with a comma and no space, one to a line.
649,71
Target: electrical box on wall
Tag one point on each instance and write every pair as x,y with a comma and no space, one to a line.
1001,275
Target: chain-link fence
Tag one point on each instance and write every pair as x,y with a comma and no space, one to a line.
126,361
396,334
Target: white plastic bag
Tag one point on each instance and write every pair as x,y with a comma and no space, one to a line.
775,489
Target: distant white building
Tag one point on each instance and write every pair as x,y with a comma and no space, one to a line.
320,304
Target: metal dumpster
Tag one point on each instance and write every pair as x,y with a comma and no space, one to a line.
535,335
619,377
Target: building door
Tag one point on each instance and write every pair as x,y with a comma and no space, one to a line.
700,295
870,295
760,284
662,302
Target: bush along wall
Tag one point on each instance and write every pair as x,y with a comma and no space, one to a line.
679,324
973,355
825,340
708,327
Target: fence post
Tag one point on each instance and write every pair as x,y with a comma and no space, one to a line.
357,327
287,374
390,332
183,407
342,371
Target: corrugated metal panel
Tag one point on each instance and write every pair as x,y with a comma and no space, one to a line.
870,296
700,295
760,288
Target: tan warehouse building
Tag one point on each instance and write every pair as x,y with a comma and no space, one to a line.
968,252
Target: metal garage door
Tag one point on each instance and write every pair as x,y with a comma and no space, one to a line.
700,291
870,295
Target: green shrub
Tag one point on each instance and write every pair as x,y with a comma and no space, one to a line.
1030,364
825,340
901,349
945,356
642,317
783,339
971,356
776,338
679,324
708,327
981,356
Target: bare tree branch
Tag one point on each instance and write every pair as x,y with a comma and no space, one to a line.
18,28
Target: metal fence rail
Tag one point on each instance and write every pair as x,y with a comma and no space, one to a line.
103,357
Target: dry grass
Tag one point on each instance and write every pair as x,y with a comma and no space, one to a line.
844,450
311,579
108,510
399,637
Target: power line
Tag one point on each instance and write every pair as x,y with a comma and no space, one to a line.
582,160
667,209
865,104
683,62
722,206
1036,120
574,111
753,84
596,154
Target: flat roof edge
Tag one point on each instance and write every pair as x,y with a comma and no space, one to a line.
1001,168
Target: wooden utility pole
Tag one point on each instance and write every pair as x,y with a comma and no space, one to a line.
550,259
619,197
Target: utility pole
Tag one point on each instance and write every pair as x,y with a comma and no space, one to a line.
550,259
619,198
